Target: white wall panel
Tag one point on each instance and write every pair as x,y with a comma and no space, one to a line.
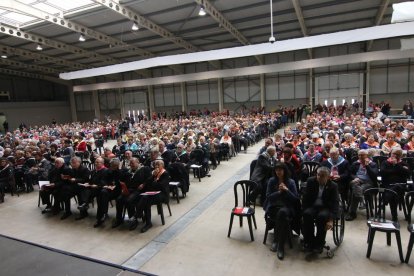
412,78
378,81
191,94
242,90
203,93
229,91
398,79
213,91
300,87
169,96
272,88
158,96
177,94
286,87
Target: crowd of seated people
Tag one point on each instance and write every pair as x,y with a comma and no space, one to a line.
73,161
352,150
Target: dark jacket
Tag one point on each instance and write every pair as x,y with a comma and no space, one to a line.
394,173
330,196
263,169
81,174
134,179
372,171
289,198
162,184
100,177
343,171
178,173
55,176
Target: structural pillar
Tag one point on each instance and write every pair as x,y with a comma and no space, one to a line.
366,92
311,90
121,103
72,103
151,100
183,96
262,91
96,105
220,94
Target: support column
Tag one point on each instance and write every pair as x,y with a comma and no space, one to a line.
262,91
365,102
183,96
96,105
151,100
220,94
121,103
311,90
72,103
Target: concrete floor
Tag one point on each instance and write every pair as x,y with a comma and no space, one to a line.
194,240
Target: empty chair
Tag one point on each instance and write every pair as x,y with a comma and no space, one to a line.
243,210
375,207
409,201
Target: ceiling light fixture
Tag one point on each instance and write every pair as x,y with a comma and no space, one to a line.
39,47
202,11
3,56
135,26
82,38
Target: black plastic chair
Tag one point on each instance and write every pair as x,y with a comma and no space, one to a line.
379,159
375,208
307,170
409,201
243,210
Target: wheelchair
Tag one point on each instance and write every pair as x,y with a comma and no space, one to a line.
338,228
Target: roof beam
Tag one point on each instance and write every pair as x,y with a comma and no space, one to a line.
301,19
32,75
47,70
41,57
378,18
71,25
222,20
147,24
219,17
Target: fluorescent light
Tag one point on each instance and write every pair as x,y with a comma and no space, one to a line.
82,38
135,27
39,47
202,12
3,56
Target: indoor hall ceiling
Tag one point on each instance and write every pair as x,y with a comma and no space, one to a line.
179,18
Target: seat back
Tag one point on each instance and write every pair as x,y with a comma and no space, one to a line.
376,203
196,156
409,202
247,187
310,168
252,166
379,159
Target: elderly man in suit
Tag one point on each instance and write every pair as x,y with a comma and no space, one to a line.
320,206
262,172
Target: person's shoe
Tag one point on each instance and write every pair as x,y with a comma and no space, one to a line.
82,216
350,217
55,210
273,248
306,247
66,215
133,223
318,249
116,223
98,223
280,253
146,227
46,210
83,207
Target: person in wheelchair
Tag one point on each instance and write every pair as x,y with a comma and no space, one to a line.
282,206
320,206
